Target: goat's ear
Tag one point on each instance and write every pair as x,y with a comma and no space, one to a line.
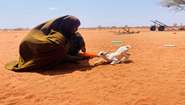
128,46
99,54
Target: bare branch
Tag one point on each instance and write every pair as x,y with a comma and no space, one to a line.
177,4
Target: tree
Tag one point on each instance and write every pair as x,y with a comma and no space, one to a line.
177,4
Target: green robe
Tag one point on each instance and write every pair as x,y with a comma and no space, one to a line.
40,50
45,45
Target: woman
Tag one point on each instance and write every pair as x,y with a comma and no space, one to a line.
50,43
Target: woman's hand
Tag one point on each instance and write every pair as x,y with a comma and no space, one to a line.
83,49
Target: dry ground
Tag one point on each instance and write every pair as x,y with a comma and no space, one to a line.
155,77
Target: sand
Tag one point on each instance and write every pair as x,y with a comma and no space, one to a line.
156,75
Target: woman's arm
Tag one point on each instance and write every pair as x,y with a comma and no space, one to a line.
46,28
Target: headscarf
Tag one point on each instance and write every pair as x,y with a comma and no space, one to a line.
77,43
67,25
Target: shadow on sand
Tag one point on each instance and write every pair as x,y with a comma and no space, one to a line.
62,68
68,67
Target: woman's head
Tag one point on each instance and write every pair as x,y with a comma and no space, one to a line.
69,24
77,43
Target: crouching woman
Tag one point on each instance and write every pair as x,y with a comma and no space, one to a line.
50,43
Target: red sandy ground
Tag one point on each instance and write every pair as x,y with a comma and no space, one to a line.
155,77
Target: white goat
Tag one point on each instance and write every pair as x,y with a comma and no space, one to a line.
119,56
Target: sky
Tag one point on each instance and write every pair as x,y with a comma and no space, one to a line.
92,13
